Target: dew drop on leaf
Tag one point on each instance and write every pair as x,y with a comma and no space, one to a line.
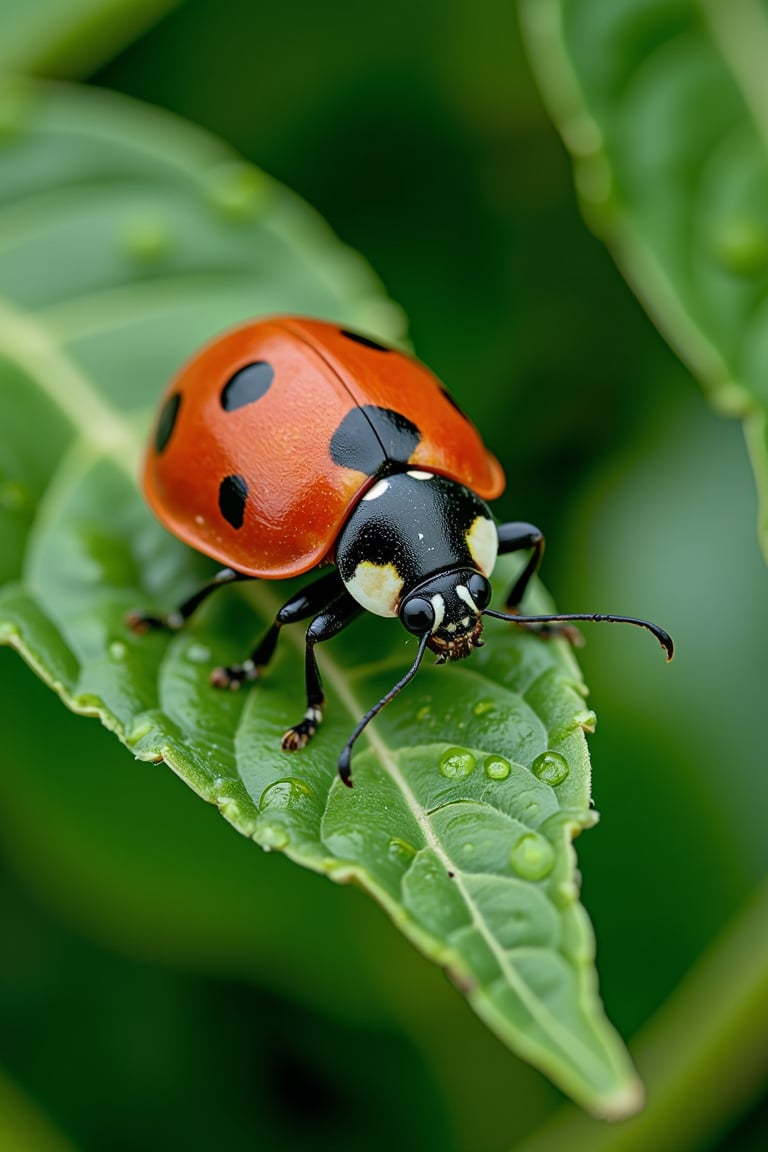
497,768
532,856
198,653
284,794
146,239
238,190
456,763
551,768
741,246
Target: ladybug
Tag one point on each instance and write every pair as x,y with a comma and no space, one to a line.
291,444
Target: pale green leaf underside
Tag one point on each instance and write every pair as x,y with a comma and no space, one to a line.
125,240
664,107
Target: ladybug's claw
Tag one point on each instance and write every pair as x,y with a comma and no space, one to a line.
232,676
298,736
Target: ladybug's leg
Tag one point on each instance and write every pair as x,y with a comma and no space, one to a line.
143,621
513,538
336,616
308,602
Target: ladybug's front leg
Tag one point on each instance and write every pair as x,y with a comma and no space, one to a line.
515,537
325,625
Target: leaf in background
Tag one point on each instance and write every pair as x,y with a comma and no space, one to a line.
71,37
663,106
126,239
22,1126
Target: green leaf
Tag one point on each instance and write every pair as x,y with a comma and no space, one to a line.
71,37
126,238
663,108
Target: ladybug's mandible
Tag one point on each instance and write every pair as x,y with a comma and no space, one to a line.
291,444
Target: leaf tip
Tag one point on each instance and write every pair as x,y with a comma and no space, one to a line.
623,1103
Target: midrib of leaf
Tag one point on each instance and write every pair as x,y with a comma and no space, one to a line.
334,676
106,432
57,377
91,314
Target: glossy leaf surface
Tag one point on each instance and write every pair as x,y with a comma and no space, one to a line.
125,240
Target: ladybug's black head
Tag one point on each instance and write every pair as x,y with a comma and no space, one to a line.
448,607
420,546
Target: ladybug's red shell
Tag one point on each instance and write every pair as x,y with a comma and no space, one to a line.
271,433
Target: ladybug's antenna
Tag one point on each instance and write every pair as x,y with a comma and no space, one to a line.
598,618
345,766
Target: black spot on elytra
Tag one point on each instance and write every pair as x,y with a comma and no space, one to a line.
372,440
233,493
247,385
167,421
364,340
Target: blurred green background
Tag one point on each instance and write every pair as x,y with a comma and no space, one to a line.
140,1004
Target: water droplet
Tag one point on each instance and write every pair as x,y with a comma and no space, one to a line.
532,856
565,894
271,836
483,707
198,653
118,650
468,848
551,768
283,794
146,239
238,190
13,496
401,850
456,763
497,768
741,245
423,713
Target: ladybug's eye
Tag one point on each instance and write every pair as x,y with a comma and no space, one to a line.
418,615
479,590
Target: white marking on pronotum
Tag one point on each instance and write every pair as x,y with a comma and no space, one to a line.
422,475
377,587
483,543
464,594
439,606
378,489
